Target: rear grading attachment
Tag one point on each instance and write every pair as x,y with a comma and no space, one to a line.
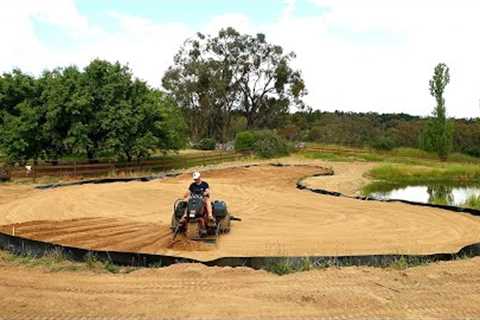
195,225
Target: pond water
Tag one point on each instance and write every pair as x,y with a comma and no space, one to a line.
436,194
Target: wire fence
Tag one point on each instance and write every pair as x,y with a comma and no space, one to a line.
109,167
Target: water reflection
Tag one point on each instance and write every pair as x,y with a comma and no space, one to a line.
432,193
440,194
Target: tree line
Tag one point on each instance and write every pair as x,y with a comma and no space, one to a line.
99,111
382,131
436,133
217,87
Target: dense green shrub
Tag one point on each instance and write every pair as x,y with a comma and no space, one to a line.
270,145
101,109
206,144
473,151
383,143
265,143
245,141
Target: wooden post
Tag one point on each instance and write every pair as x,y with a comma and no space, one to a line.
112,167
75,168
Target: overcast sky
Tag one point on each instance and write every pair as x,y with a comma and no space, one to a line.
355,55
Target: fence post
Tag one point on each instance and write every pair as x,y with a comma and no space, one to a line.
112,167
75,168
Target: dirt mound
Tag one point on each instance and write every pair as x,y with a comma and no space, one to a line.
440,291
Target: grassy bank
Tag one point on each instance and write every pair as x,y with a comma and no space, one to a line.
442,177
400,155
473,202
56,261
448,172
405,167
394,176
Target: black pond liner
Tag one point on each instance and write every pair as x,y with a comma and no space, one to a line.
107,180
474,212
161,175
20,245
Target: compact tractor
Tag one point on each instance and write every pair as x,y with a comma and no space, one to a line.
195,219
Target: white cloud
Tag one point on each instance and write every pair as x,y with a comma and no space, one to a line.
395,77
370,55
238,21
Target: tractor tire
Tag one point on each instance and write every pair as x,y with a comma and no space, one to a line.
174,223
225,224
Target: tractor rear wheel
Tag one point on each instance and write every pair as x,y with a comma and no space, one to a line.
225,224
173,223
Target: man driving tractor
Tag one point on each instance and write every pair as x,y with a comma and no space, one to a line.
200,187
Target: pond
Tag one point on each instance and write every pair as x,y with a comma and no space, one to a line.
459,195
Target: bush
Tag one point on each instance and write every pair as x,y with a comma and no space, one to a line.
265,143
206,144
383,143
4,175
270,145
473,151
245,141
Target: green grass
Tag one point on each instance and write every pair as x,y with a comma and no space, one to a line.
326,156
399,155
287,266
405,262
473,202
447,172
404,167
57,260
397,176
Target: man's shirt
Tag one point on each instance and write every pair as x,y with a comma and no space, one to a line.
198,188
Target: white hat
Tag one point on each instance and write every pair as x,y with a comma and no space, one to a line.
196,175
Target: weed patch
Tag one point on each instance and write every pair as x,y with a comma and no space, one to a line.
56,261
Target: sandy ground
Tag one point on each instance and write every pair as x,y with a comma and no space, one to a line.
441,291
278,219
349,178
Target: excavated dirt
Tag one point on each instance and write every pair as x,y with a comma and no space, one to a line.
275,214
186,291
278,219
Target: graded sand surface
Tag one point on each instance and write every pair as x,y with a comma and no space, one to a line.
187,291
278,219
273,210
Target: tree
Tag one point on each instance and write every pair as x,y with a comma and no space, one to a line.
15,88
268,84
107,85
143,124
438,132
201,82
101,110
21,137
126,117
21,116
66,102
213,76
